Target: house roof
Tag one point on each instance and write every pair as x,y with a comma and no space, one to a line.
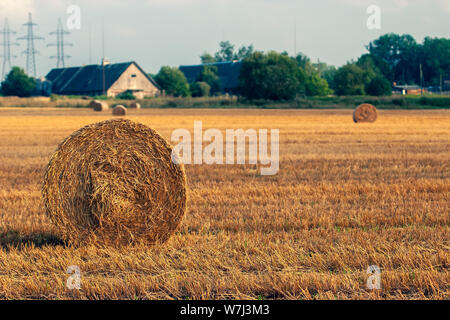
89,78
407,87
228,73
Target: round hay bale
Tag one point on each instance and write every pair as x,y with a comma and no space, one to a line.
99,106
365,113
114,182
119,110
134,105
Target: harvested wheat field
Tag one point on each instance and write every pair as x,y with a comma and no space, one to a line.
346,196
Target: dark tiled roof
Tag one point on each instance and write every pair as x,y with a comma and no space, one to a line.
60,77
228,73
78,80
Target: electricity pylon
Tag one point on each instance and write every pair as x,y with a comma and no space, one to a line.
7,43
60,44
30,51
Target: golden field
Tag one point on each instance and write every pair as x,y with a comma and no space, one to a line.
347,196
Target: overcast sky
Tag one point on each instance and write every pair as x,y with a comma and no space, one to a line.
177,32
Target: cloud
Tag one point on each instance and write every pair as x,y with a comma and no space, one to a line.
15,10
445,5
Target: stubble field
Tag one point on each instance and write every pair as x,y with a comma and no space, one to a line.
346,197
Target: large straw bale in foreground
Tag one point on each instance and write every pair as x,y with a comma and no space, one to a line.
365,113
115,182
119,110
99,105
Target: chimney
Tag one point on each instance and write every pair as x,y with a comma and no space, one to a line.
105,62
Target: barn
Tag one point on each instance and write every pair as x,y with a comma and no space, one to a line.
112,79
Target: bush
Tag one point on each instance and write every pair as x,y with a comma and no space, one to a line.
17,83
379,86
349,80
126,96
200,89
399,102
173,82
210,77
435,101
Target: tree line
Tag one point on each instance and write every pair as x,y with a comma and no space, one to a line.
391,58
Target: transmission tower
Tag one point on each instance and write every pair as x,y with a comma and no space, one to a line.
30,51
7,43
60,44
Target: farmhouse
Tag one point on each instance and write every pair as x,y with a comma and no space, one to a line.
228,73
111,79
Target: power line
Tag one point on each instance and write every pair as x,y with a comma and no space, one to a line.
30,51
7,43
60,44
295,40
90,44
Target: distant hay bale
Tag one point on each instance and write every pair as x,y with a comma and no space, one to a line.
365,113
119,110
134,105
114,182
99,106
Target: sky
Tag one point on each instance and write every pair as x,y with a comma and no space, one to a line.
155,33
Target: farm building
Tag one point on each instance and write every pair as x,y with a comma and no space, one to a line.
119,78
228,73
407,89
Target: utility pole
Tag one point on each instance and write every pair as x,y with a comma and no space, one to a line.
30,51
60,44
7,32
103,59
441,82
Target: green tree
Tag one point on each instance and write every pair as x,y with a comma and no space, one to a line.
379,86
244,52
226,52
316,86
328,74
349,80
367,63
400,53
207,58
17,83
305,63
270,76
375,83
200,89
312,84
209,75
435,58
173,82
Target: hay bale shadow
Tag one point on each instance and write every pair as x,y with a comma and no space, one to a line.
15,239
